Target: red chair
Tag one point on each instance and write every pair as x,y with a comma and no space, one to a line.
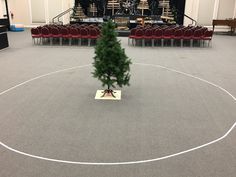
207,37
65,34
197,36
138,36
154,29
56,34
75,34
98,31
169,35
40,29
148,36
188,36
84,32
35,33
46,35
158,35
178,36
132,35
93,35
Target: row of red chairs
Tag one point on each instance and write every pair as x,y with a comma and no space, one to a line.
41,35
171,35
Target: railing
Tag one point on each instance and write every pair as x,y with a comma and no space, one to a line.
62,14
179,16
193,21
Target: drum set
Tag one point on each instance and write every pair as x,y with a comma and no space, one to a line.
128,7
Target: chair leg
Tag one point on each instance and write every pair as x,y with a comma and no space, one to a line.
156,41
69,41
152,42
143,42
60,40
162,42
209,42
81,42
89,42
50,40
203,43
191,42
172,42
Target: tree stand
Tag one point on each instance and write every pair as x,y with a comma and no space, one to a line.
108,92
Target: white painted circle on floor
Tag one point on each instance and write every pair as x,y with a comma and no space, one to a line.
128,162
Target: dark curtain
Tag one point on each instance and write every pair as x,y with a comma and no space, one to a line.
179,6
101,7
76,3
153,6
85,5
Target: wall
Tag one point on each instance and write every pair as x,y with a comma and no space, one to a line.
191,9
226,9
21,11
54,10
66,5
27,12
204,11
2,8
38,13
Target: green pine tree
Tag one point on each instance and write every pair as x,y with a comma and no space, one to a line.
111,64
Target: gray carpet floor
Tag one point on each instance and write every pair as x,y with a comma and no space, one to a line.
161,113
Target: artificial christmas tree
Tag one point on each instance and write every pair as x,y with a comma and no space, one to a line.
111,64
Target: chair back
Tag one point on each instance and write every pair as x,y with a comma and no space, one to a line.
168,32
208,34
40,29
74,31
188,33
45,31
84,32
148,32
139,32
98,30
132,31
93,32
204,30
35,31
55,31
197,33
178,33
158,32
64,31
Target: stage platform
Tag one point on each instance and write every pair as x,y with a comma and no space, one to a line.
123,33
3,37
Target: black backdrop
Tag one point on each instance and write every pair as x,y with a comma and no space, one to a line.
179,5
